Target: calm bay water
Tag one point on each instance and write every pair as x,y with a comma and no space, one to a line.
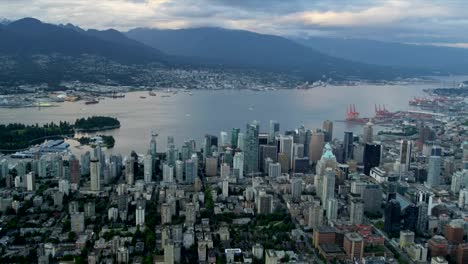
185,117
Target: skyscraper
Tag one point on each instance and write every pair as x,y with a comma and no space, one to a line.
153,145
267,151
225,170
274,170
300,136
316,146
464,148
433,172
190,171
77,223
84,160
436,151
356,215
179,171
421,225
328,186
95,174
31,182
301,165
190,213
129,171
425,134
348,146
353,245
223,135
240,141
263,139
284,162
327,128
75,173
185,151
392,217
148,167
251,148
238,165
368,133
273,131
194,158
208,143
225,189
315,216
332,210
406,148
140,215
372,197
327,161
372,154
211,166
459,181
3,168
307,139
298,150
410,217
171,152
234,137
296,188
166,214
286,147
168,173
265,204
227,156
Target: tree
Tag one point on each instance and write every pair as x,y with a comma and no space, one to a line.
66,225
71,236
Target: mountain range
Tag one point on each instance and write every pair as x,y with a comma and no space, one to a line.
67,46
432,58
239,48
30,36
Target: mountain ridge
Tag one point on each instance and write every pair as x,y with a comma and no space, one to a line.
36,51
30,36
244,48
430,57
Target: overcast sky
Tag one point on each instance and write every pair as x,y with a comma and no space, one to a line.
413,21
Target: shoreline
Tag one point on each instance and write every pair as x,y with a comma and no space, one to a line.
92,130
106,91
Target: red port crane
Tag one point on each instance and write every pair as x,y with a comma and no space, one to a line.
351,113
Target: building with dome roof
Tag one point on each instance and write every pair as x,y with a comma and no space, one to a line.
327,161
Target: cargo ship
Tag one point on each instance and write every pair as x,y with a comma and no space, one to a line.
93,101
422,102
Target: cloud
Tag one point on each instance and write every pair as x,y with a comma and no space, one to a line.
435,21
451,45
388,13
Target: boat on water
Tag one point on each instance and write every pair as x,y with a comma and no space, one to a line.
313,85
45,104
72,98
92,101
143,97
165,95
118,95
151,93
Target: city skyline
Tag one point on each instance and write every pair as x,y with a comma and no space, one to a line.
222,131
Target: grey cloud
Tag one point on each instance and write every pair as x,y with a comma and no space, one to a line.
445,21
